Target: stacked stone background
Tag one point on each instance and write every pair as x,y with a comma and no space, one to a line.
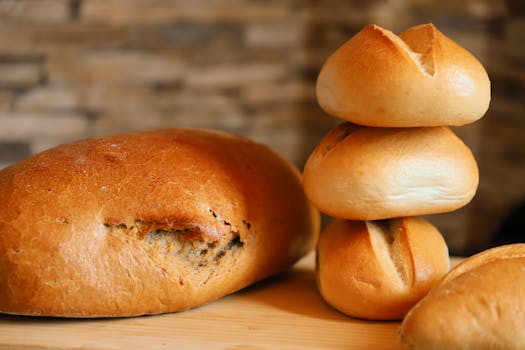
71,69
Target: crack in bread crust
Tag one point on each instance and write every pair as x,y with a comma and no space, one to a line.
184,244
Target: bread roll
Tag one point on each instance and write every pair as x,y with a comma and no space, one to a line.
502,252
480,304
420,78
146,223
379,269
363,173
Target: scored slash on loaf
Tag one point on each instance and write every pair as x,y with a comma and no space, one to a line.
393,159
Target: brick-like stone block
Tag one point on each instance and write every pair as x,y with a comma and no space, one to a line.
234,75
162,11
34,11
114,67
6,100
87,96
19,75
188,100
121,120
276,35
145,117
482,9
48,97
289,91
25,126
211,39
37,39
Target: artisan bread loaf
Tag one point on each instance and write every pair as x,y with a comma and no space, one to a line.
379,269
146,223
480,304
366,173
419,78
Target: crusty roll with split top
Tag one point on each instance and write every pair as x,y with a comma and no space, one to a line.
379,269
365,173
419,78
147,223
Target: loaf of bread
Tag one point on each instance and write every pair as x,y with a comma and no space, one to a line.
479,305
147,223
419,78
366,173
379,269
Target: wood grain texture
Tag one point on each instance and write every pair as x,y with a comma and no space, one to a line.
283,312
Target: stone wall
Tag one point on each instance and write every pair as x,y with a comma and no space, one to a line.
77,68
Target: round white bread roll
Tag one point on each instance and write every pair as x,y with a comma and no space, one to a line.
420,78
480,304
379,269
364,173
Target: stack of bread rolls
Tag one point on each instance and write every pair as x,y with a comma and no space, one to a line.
392,160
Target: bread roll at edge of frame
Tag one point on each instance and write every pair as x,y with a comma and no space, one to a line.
480,304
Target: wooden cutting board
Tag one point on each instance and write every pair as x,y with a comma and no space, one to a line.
283,312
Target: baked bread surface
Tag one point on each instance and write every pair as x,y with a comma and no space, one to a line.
419,78
367,173
378,270
480,304
146,223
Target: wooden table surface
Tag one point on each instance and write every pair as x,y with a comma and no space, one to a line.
283,312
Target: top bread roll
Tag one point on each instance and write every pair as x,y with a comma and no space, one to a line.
419,78
147,223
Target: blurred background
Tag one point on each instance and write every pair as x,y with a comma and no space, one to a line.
72,69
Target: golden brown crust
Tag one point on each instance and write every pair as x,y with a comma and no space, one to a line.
379,270
480,304
501,252
365,173
419,78
146,223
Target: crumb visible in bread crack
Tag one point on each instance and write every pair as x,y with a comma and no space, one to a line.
186,243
